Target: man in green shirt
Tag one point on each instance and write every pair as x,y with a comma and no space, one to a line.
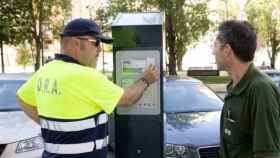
250,122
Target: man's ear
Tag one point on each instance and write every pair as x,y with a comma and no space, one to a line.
76,47
228,51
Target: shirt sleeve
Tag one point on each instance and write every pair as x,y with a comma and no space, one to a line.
266,133
27,92
101,91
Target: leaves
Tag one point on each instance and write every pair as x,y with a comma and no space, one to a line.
265,17
27,21
186,21
23,56
15,18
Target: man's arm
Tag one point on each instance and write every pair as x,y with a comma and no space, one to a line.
265,116
29,110
133,93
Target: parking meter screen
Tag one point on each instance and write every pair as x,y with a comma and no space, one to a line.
130,66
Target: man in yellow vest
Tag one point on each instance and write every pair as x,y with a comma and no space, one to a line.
70,99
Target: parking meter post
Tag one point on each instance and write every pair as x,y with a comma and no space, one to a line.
138,42
2,57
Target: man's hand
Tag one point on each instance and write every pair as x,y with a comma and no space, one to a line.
30,111
151,74
133,93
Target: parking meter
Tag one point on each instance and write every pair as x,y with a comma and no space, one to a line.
138,42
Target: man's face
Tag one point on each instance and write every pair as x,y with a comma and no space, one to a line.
219,53
89,51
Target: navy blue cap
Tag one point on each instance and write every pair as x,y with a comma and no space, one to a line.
84,27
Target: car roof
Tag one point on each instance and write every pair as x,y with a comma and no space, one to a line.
168,79
181,79
17,76
271,71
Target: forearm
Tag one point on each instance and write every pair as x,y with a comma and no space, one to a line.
29,110
133,93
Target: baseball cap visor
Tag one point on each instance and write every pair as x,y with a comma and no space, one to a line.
103,38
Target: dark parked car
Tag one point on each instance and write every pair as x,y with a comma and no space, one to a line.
192,119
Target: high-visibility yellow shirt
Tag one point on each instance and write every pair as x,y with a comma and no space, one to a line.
66,90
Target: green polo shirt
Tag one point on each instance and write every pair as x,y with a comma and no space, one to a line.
250,122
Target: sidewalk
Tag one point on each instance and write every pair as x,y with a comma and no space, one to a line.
219,89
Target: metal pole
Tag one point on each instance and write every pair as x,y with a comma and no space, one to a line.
2,57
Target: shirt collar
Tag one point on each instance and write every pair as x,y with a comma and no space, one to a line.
244,82
66,58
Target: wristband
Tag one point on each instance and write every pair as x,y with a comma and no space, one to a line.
145,81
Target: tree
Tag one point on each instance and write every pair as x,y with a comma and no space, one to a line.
186,22
41,11
265,17
12,28
3,37
25,20
230,9
23,56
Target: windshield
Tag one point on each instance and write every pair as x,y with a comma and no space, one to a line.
190,97
8,89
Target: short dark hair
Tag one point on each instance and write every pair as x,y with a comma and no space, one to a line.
241,36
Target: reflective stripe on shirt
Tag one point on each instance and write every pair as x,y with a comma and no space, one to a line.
77,148
73,125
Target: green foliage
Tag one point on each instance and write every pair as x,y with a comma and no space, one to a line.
23,56
265,17
186,22
15,18
27,19
229,9
3,32
59,11
190,24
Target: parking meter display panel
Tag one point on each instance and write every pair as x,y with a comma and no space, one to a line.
130,67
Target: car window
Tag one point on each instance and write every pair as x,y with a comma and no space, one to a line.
8,89
189,97
273,74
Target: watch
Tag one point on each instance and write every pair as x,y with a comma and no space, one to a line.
145,81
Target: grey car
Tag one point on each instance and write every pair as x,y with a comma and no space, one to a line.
19,136
191,119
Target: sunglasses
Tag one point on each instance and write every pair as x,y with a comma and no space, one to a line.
94,42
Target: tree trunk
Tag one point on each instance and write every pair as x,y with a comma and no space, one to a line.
179,64
42,46
273,50
272,63
171,45
38,53
273,57
2,57
37,19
